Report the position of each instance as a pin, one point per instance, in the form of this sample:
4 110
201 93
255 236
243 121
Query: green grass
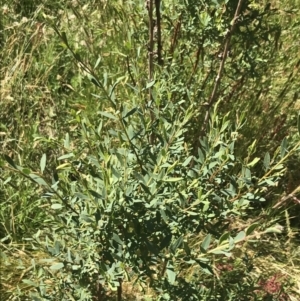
44 92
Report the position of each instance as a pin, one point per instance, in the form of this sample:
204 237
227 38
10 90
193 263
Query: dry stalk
213 96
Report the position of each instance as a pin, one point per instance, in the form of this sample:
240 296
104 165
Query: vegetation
150 150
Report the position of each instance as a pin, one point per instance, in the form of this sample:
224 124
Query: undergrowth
149 154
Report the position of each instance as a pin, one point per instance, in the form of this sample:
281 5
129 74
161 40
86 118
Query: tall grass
45 90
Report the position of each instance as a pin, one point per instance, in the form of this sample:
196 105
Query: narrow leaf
205 244
57 266
29 282
145 188
267 160
115 172
95 194
251 228
67 141
206 268
64 38
43 163
131 112
171 276
117 239
172 179
255 160
240 237
108 115
38 179
187 161
56 206
81 196
65 156
10 161
149 85
283 147
176 244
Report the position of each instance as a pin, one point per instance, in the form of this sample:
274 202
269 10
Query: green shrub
125 208
159 161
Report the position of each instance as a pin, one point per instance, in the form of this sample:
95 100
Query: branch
158 26
212 98
149 6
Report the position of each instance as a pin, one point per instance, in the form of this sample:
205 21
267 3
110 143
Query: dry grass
31 68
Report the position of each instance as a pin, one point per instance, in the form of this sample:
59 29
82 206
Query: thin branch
175 36
151 43
292 196
213 96
149 6
129 71
158 27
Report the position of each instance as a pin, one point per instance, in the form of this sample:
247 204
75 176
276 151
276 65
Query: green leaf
97 62
64 38
275 229
187 161
87 218
191 212
283 147
145 188
115 172
176 244
38 179
270 182
65 156
205 243
224 237
231 243
206 267
95 194
81 196
139 177
117 239
43 163
251 228
240 237
186 248
149 85
254 161
108 115
131 112
7 180
171 276
10 161
172 179
29 282
26 171
67 141
267 160
94 81
56 206
57 266
221 252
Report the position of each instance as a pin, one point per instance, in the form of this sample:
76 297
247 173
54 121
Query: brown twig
149 6
213 96
292 196
158 27
120 290
175 36
129 71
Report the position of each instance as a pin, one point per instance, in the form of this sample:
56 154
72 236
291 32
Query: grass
44 91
